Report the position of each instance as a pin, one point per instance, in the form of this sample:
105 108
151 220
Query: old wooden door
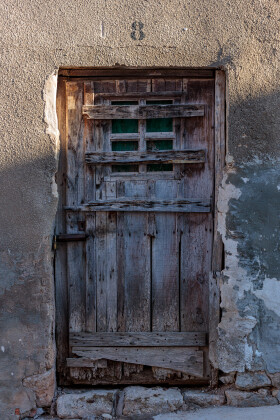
136 216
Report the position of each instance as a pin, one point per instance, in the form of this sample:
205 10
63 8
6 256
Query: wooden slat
109 112
134 72
75 195
197 229
60 266
160 135
136 269
170 156
165 94
180 205
90 126
217 254
79 362
183 359
124 136
138 339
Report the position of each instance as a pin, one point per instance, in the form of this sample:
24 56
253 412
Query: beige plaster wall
38 37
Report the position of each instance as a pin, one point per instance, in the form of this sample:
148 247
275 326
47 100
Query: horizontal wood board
110 112
134 339
136 205
172 156
183 359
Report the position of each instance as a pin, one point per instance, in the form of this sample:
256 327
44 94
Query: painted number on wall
137 34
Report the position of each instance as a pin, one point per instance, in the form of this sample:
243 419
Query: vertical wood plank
197 229
75 195
136 261
217 256
165 246
61 287
90 217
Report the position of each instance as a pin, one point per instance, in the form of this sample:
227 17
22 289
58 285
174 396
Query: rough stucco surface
39 37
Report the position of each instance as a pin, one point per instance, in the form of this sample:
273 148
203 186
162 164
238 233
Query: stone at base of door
138 402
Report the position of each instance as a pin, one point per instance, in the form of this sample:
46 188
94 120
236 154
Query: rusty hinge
69 237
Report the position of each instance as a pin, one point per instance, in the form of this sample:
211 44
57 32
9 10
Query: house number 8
137 34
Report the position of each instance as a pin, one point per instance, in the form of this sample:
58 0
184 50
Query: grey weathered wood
197 229
176 205
84 362
138 339
124 136
75 196
165 265
136 269
109 112
150 95
60 264
217 255
139 287
171 156
161 135
90 127
134 72
184 359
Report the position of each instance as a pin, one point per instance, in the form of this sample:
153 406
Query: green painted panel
159 145
125 168
159 167
120 146
160 124
124 126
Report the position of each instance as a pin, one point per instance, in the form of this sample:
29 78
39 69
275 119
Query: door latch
68 237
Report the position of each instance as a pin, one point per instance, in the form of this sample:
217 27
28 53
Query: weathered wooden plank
160 135
130 205
138 339
170 156
184 359
165 265
60 263
75 195
124 136
197 229
127 72
90 275
217 254
121 176
136 262
109 112
84 362
150 95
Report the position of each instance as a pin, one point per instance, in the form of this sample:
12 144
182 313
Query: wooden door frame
61 290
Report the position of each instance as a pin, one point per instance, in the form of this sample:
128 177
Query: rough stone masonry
39 37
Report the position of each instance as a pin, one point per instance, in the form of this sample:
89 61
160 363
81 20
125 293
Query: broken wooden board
169 206
138 339
189 361
110 112
171 156
85 362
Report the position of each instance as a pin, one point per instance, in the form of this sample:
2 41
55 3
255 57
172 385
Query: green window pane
120 146
124 126
159 167
159 145
125 168
159 124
